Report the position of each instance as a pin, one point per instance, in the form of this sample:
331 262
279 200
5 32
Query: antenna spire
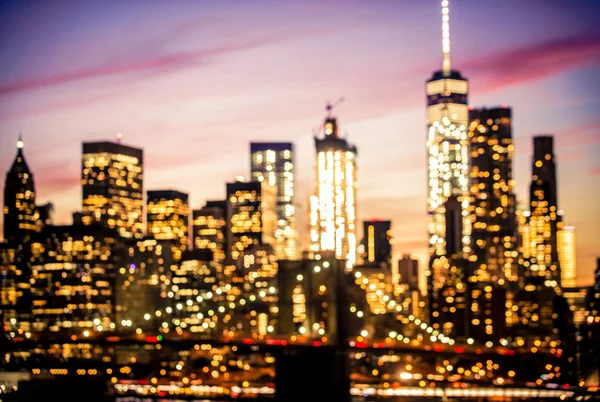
20 141
446 37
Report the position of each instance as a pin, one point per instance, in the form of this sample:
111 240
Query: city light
280 285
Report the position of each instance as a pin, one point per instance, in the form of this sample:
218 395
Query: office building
273 162
15 301
494 240
168 214
208 229
315 299
545 220
377 242
447 144
408 269
112 181
191 297
251 216
333 205
73 272
21 216
567 255
142 283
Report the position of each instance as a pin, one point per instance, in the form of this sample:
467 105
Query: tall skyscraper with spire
21 216
333 205
448 152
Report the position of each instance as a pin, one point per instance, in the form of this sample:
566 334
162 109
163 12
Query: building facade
567 255
168 214
333 218
494 238
408 269
544 219
112 181
273 162
73 272
251 216
208 229
377 242
21 216
448 159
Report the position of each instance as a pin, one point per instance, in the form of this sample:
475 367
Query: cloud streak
152 63
531 63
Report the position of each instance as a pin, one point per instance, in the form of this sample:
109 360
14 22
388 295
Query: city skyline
395 111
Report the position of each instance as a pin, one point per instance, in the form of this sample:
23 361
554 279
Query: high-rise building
494 241
273 162
73 272
447 145
168 214
377 242
333 205
193 282
316 299
21 217
408 268
208 229
567 255
544 217
112 180
251 216
142 283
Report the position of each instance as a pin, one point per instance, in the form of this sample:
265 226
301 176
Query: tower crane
329 106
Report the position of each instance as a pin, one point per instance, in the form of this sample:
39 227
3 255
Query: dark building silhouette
408 268
377 242
454 227
21 216
316 298
141 289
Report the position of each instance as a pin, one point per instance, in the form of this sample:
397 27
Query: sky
192 83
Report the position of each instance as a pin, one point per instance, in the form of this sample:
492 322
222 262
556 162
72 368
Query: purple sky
193 82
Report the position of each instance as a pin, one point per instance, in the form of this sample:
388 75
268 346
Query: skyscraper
447 144
408 268
377 237
544 217
333 206
251 216
567 255
73 272
168 214
208 229
21 217
112 180
273 162
494 239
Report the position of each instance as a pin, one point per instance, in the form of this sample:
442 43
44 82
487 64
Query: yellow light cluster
333 208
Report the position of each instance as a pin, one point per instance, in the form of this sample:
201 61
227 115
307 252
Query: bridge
295 368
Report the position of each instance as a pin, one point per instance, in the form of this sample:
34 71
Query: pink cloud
531 63
595 171
154 63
